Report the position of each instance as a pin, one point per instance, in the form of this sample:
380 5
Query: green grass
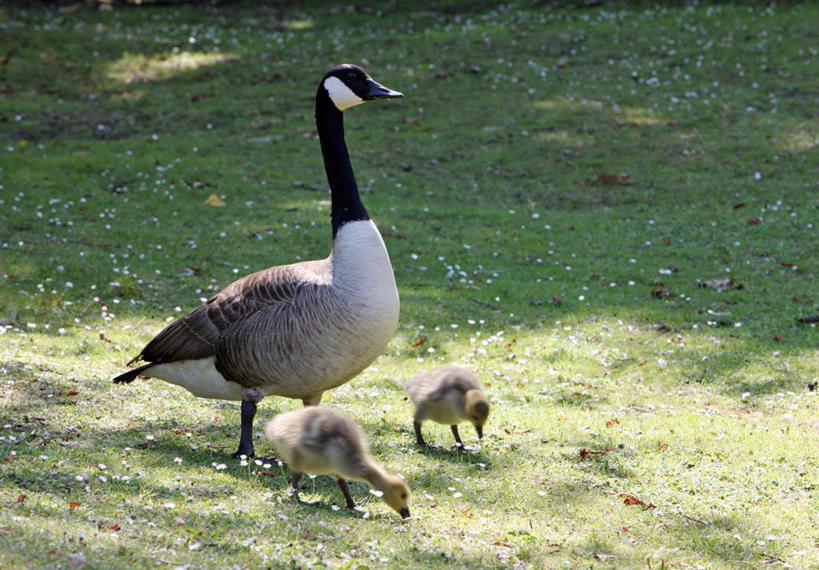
554 190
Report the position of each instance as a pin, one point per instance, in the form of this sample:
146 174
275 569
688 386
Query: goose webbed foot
268 462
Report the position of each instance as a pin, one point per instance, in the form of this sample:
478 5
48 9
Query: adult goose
292 330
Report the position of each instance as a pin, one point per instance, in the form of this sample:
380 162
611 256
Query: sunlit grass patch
800 138
136 68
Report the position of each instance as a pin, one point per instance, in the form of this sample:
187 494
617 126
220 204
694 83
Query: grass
561 190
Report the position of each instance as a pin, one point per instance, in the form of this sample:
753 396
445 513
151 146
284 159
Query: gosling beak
378 91
479 429
405 514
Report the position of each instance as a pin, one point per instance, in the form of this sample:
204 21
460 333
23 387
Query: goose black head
348 85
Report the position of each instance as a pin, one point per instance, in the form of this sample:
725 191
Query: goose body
447 395
321 441
292 330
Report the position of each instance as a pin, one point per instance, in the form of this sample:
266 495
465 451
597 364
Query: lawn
607 209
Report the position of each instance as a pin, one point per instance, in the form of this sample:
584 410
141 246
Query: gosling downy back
322 441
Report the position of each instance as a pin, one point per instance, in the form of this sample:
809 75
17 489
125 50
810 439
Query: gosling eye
403 495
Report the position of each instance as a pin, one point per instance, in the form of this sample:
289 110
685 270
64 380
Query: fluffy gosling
448 395
322 441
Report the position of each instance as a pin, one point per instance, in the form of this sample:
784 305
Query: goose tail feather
131 375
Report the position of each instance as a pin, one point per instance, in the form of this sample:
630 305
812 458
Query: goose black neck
346 204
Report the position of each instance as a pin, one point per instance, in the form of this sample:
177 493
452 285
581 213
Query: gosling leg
246 435
457 435
418 437
342 484
295 485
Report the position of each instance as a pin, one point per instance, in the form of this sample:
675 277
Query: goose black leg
457 435
342 484
246 437
418 437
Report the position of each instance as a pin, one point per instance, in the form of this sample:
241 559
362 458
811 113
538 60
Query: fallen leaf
418 342
607 179
115 527
214 200
663 446
777 337
754 220
584 452
611 422
73 504
661 292
20 499
631 500
739 205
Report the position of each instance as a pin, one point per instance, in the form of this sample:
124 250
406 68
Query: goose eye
351 76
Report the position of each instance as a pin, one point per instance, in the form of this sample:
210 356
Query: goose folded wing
199 333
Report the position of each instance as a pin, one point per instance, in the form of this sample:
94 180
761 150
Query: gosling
448 395
322 441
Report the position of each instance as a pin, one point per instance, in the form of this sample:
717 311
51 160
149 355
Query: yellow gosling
448 395
322 441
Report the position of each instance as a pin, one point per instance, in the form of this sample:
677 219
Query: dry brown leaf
214 200
418 342
631 500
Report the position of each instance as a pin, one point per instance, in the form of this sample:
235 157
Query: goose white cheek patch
341 95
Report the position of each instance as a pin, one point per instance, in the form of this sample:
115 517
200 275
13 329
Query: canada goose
448 395
322 441
292 330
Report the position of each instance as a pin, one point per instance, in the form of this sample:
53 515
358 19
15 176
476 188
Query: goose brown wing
197 334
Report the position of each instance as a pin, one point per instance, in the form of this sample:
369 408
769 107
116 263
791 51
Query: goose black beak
405 514
378 91
479 429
